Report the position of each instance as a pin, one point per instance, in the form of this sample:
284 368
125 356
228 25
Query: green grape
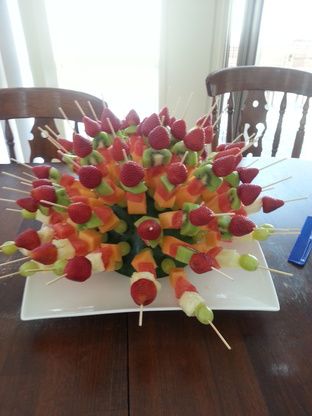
59 266
121 227
260 234
199 237
167 265
124 248
28 268
118 265
28 215
8 248
248 262
204 314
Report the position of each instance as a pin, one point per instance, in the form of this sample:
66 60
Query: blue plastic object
303 246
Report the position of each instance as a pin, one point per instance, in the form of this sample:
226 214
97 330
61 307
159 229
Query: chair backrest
247 87
43 104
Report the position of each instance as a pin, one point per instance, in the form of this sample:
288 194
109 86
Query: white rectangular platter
109 292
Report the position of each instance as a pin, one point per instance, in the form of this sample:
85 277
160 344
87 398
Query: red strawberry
234 151
28 203
178 129
149 230
220 147
28 239
116 149
66 144
132 118
44 192
208 132
194 140
248 193
92 127
164 116
239 145
39 182
270 204
224 165
201 262
42 171
143 291
159 138
246 175
177 173
78 268
241 225
200 121
82 147
107 113
79 212
201 216
90 176
149 124
171 121
131 174
45 254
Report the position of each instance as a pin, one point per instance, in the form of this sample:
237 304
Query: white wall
194 34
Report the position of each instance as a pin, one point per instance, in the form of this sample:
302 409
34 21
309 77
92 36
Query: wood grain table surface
173 365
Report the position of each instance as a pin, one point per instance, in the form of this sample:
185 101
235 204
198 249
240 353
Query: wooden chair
42 104
246 86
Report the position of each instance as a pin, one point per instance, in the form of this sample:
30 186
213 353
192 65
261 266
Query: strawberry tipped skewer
21 163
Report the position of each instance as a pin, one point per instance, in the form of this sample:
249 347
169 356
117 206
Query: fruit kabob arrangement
145 198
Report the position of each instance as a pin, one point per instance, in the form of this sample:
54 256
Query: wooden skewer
275 270
184 157
252 163
78 166
274 183
286 229
55 280
14 261
187 105
20 163
39 270
223 274
125 155
238 137
14 189
14 209
8 275
29 175
220 336
162 120
15 176
26 183
53 141
66 118
177 104
296 199
208 114
53 204
141 315
251 143
111 126
286 233
7 200
80 108
267 189
223 213
273 163
51 131
92 111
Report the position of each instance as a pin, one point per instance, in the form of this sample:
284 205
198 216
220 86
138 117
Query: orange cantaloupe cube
91 237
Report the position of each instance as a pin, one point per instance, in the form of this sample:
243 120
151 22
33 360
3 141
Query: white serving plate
109 292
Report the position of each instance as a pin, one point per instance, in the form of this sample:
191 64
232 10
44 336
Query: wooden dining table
172 365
